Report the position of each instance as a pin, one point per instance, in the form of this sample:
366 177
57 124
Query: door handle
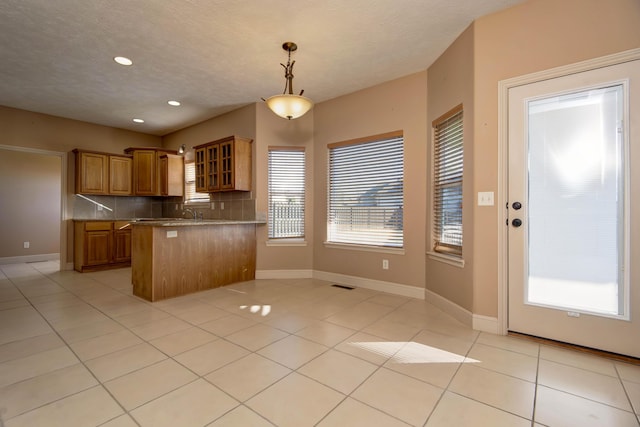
517 222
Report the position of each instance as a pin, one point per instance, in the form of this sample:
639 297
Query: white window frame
296 193
190 186
384 215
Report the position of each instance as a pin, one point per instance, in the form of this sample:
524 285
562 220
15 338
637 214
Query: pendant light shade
288 105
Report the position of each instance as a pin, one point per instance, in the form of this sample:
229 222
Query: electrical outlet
221 206
213 205
26 245
385 264
99 207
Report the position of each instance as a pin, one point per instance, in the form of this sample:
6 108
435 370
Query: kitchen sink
162 219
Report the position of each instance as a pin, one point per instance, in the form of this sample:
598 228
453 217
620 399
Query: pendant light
288 105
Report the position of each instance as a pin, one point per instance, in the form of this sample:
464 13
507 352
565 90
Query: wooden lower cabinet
98 247
173 261
121 242
101 244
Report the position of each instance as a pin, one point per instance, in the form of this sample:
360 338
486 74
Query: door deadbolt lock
516 222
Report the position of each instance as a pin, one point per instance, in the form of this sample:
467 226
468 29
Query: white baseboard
376 285
284 274
485 324
461 314
29 258
477 321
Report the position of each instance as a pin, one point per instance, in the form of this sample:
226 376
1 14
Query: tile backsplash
238 205
116 207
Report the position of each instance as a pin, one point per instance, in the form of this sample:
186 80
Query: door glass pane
576 202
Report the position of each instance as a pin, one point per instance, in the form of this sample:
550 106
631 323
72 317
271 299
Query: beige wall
534 36
275 131
30 190
40 131
34 130
240 122
257 122
396 105
450 83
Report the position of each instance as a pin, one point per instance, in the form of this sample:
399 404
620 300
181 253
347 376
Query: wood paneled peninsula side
179 257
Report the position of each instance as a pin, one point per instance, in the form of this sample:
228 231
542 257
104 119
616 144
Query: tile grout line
80 361
535 390
101 309
624 388
128 412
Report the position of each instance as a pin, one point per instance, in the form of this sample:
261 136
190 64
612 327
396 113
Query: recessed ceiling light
138 120
174 103
122 60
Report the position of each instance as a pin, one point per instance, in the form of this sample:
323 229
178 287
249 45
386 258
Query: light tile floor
80 350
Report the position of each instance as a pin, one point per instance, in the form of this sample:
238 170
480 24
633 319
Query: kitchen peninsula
176 257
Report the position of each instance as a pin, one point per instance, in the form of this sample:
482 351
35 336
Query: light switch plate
172 233
485 198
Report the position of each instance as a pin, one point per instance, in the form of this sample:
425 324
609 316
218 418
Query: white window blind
366 191
190 194
447 183
286 192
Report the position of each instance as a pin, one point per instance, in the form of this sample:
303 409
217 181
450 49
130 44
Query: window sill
364 248
198 203
286 242
447 259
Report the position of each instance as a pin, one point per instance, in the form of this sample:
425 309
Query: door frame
503 159
64 262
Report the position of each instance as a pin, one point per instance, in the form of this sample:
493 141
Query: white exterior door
573 209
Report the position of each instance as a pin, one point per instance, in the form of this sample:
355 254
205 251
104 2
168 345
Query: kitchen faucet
193 213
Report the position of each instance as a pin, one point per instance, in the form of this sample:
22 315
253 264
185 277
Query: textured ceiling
56 56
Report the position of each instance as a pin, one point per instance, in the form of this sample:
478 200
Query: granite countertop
175 222
178 222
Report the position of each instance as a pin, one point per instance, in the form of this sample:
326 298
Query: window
190 194
286 192
447 183
366 191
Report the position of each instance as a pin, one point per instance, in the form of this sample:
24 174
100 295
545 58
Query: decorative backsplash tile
231 205
115 207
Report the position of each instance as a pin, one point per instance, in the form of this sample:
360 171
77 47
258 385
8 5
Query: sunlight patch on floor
412 352
264 310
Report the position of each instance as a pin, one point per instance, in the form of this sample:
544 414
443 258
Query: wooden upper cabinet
171 170
92 172
103 173
147 170
200 160
139 172
120 175
223 165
